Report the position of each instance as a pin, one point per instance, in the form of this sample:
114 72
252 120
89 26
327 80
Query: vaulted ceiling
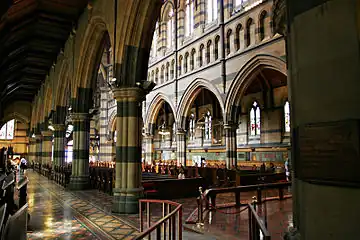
32 33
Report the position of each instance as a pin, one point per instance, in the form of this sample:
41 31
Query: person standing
23 163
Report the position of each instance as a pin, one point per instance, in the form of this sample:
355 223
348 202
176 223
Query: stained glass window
3 132
287 116
174 132
192 126
255 122
115 136
208 126
7 131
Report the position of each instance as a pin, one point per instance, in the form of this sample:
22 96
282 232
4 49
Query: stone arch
189 97
155 106
17 116
165 9
262 24
112 122
62 83
91 52
243 79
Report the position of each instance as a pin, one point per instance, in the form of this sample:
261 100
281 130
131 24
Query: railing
207 201
210 195
256 226
168 227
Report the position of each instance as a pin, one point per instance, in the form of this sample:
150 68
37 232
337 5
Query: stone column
46 146
181 147
149 148
325 115
81 138
128 188
231 146
38 153
59 145
32 149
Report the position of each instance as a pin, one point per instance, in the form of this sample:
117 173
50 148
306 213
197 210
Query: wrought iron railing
168 227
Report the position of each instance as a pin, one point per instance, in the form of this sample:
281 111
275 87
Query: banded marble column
46 146
181 147
128 188
231 146
81 138
59 145
38 153
149 139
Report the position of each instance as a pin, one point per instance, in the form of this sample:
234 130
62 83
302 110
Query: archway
257 108
160 132
202 121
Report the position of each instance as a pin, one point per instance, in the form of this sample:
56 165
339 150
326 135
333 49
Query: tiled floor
59 214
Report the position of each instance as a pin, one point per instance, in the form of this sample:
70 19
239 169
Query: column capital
148 136
59 127
180 131
46 133
230 126
133 94
79 116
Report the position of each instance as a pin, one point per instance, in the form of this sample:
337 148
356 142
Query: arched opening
201 54
228 42
189 17
250 32
238 36
204 128
208 52
263 118
163 128
216 47
262 25
192 59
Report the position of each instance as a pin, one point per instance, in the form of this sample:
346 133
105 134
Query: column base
126 201
79 183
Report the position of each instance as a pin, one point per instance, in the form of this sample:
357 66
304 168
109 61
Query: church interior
179 119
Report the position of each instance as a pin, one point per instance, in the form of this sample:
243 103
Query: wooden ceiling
32 33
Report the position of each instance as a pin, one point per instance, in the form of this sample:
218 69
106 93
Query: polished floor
59 214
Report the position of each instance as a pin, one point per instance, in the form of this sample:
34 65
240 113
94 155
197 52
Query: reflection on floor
232 223
59 214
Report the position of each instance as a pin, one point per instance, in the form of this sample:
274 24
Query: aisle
58 214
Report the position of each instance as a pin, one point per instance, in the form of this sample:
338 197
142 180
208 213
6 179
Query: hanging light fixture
163 129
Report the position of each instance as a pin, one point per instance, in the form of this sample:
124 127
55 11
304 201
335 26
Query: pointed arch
243 79
112 122
91 51
155 106
189 97
62 82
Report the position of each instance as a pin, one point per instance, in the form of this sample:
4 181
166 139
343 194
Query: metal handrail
169 220
256 225
209 194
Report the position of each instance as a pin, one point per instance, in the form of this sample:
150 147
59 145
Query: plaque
328 153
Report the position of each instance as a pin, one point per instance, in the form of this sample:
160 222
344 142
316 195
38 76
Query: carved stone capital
129 94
